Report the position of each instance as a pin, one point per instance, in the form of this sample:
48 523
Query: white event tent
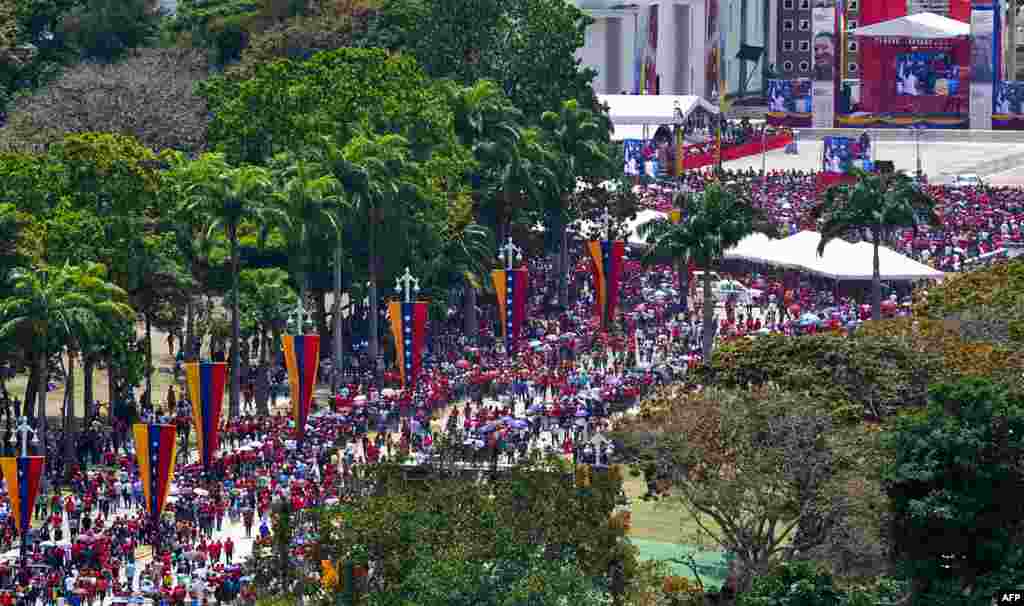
922 26
840 260
631 115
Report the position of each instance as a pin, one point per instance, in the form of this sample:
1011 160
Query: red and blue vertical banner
302 359
206 390
22 475
156 448
607 256
409 328
511 288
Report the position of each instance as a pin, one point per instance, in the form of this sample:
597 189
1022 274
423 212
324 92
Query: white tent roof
651 109
925 26
839 261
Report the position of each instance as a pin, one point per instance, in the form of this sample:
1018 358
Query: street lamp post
406 284
719 119
917 142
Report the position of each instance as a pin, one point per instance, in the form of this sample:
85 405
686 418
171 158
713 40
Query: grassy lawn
661 531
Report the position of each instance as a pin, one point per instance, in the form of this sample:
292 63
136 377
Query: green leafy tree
289 105
578 138
106 29
713 222
227 196
51 308
753 470
879 202
302 205
665 239
956 531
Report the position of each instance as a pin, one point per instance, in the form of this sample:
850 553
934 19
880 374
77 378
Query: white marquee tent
840 260
922 26
638 110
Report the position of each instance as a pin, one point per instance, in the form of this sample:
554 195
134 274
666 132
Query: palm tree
488 124
227 196
302 205
577 138
62 306
353 181
468 250
667 239
713 222
380 178
879 202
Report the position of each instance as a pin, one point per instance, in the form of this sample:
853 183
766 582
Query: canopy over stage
653 110
840 260
922 26
637 120
914 71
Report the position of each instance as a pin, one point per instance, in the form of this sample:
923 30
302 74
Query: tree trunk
234 405
876 279
149 358
25 410
563 270
338 337
472 323
684 286
190 355
88 367
69 411
41 412
708 323
320 301
112 394
373 343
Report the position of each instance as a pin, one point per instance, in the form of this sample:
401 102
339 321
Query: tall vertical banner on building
511 288
640 53
156 448
302 359
651 52
824 43
985 51
607 257
21 476
206 390
409 329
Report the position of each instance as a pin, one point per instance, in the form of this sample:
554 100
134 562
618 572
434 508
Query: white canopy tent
840 260
922 26
638 110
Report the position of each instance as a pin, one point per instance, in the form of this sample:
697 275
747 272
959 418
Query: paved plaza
939 159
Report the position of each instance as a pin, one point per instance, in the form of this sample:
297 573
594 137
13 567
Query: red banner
699 156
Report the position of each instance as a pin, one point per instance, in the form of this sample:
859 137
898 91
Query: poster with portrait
789 103
633 157
1009 106
840 154
983 65
926 73
823 29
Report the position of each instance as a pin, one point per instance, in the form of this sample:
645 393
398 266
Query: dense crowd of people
557 392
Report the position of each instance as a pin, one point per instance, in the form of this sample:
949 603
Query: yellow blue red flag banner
22 475
409 329
156 448
206 390
302 358
511 288
607 257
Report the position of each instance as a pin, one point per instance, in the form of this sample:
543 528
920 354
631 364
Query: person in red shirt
215 551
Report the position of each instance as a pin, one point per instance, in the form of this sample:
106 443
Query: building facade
664 45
